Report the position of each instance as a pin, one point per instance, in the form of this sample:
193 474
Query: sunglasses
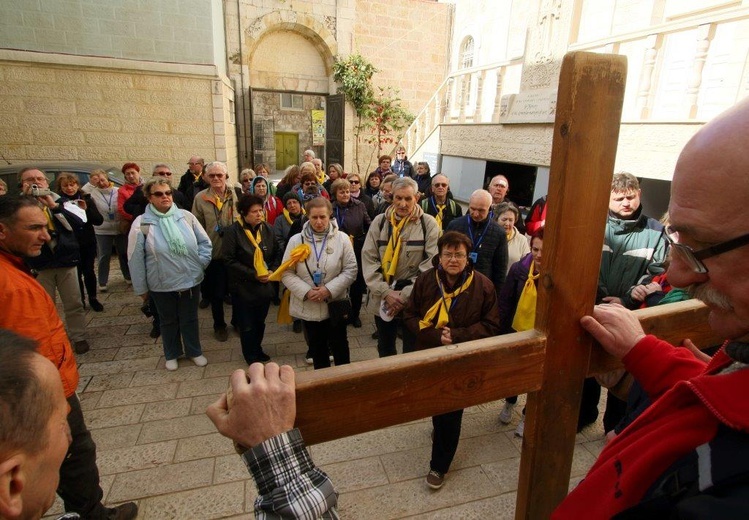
440 185
354 182
160 194
164 174
216 175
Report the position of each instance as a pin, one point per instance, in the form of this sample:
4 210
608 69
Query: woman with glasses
169 252
450 303
245 179
357 192
402 167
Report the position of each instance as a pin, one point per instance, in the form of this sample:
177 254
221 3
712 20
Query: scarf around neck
441 308
168 226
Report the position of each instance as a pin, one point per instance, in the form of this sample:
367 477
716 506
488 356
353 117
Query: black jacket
491 248
136 204
63 249
238 255
86 235
189 189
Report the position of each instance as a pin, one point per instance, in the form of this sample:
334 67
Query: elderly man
308 155
399 245
27 309
489 254
192 181
215 209
57 262
319 171
499 187
439 205
686 455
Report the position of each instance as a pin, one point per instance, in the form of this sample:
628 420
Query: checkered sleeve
288 483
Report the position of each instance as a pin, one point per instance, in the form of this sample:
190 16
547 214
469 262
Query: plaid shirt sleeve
288 483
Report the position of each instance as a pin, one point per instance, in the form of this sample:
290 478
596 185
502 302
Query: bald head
498 188
479 204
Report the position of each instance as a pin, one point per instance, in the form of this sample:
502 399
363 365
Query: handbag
339 311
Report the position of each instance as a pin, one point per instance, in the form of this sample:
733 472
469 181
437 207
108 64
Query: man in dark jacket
489 253
402 167
439 204
192 182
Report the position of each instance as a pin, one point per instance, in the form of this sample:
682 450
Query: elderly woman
513 290
169 251
131 171
292 213
353 220
322 277
250 254
290 178
245 179
309 187
106 197
263 170
335 172
69 189
357 192
450 303
423 178
517 243
372 186
272 205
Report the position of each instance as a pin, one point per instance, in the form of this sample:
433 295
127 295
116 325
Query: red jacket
27 309
689 402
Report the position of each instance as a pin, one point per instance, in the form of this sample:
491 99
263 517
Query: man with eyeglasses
136 204
499 187
686 455
402 167
439 205
192 181
489 252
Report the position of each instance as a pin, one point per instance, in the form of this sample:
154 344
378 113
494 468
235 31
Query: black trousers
387 334
322 338
79 477
356 293
250 319
589 403
215 283
86 271
446 437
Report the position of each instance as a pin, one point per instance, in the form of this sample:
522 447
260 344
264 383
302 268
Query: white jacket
106 203
337 262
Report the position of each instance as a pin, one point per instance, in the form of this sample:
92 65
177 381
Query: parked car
9 173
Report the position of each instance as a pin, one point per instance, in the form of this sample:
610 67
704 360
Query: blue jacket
153 267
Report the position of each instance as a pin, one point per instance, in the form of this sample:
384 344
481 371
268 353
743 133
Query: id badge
473 256
317 277
217 229
111 215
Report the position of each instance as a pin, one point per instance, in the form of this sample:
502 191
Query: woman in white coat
323 277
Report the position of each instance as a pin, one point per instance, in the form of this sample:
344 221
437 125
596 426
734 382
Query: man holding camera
56 264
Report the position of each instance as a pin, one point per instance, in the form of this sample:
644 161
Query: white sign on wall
532 106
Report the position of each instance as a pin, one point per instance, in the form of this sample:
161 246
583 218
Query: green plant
386 118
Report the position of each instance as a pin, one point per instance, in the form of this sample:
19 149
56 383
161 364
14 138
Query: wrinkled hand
641 292
612 299
446 337
317 294
394 302
687 344
260 404
614 327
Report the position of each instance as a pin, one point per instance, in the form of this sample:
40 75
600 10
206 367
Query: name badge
473 256
317 278
111 215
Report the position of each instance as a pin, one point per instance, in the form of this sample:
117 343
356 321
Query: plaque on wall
532 106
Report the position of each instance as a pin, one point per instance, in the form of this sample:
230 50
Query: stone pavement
156 446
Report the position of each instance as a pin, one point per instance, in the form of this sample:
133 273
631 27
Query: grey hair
247 172
310 152
218 164
482 193
504 207
160 165
155 181
405 182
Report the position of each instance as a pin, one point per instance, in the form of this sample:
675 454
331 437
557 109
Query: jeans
65 281
387 334
215 283
322 338
79 477
178 314
250 319
104 246
446 437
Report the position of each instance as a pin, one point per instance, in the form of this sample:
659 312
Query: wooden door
334 128
287 149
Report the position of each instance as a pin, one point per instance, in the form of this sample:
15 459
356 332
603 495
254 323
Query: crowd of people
317 245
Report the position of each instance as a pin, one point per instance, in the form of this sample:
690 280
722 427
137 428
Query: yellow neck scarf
393 250
441 309
321 177
219 202
50 222
288 216
438 217
525 314
258 261
510 235
298 254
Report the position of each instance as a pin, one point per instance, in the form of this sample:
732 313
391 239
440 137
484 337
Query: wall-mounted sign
532 106
318 127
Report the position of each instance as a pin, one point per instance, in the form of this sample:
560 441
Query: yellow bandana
441 308
438 217
321 177
393 250
525 315
50 222
510 235
298 254
287 215
284 317
258 261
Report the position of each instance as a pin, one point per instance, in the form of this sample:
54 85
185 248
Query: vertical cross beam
586 131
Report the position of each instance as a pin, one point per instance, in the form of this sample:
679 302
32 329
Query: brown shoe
126 511
81 347
435 479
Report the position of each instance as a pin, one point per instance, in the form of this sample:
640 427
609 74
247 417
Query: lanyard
322 247
454 298
339 216
434 205
109 203
476 244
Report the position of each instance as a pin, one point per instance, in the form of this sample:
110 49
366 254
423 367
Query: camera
146 310
36 191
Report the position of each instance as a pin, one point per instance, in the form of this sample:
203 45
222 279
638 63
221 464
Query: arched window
466 53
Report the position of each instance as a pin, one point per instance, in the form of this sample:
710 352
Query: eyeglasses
216 175
354 182
454 256
439 185
694 258
160 194
163 174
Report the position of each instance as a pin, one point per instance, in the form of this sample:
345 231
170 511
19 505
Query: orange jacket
27 309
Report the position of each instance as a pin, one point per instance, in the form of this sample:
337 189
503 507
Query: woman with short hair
517 243
290 178
272 205
169 253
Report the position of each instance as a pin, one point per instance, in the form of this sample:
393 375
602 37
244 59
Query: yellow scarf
438 217
298 254
441 308
50 222
393 250
258 261
525 315
510 235
287 215
321 177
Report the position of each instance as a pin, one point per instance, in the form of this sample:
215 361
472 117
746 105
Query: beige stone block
197 141
152 350
357 474
89 400
214 386
140 126
116 437
15 136
223 369
116 367
413 496
98 124
103 108
210 445
110 381
230 468
59 153
170 409
144 394
177 428
132 458
504 474
157 481
47 107
114 416
200 403
214 502
500 507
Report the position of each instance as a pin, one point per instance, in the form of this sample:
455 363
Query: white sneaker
308 358
505 416
521 428
200 361
103 288
128 282
171 364
331 358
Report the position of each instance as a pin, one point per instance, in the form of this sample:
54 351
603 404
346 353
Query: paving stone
116 437
83 383
151 350
203 446
230 468
166 479
116 367
89 400
215 386
169 409
182 427
504 474
200 403
357 474
109 382
96 354
582 460
114 416
135 457
157 377
140 329
206 503
224 369
500 507
142 394
105 481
